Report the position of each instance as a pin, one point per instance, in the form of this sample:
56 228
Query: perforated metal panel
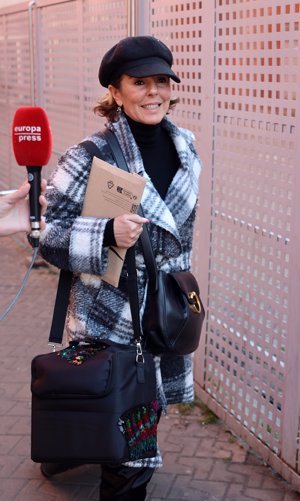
75 35
250 326
104 23
60 69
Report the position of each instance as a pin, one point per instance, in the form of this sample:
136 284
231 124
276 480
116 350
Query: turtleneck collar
144 134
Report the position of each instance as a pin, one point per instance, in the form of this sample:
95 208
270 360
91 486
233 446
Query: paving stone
221 472
172 465
240 493
194 490
203 467
9 466
10 488
161 484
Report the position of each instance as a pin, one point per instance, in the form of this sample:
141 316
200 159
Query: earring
119 109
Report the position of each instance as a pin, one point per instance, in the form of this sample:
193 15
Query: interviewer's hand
14 210
127 229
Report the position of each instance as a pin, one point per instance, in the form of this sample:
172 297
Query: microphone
32 144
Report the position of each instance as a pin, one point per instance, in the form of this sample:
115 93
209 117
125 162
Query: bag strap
60 308
145 239
65 276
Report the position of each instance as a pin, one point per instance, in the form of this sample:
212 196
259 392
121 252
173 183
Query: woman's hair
107 106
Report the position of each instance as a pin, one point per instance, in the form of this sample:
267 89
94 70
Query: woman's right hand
14 210
127 229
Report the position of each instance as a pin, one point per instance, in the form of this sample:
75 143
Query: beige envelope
112 192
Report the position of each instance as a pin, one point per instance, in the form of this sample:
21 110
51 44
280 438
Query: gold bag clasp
195 303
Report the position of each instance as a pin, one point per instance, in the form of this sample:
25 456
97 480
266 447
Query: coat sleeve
71 241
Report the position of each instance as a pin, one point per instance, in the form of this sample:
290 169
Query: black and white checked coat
73 242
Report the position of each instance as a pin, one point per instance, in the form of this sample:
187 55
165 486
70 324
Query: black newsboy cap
138 56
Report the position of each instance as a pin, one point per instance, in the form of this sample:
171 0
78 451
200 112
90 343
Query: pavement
203 460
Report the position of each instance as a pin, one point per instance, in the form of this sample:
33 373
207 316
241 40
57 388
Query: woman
137 73
14 210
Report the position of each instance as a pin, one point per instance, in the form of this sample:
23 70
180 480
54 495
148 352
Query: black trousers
118 483
122 483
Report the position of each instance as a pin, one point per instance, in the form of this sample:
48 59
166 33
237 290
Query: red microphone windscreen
31 136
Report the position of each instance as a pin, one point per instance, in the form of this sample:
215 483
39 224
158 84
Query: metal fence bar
31 5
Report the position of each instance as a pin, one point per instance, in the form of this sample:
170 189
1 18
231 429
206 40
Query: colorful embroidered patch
78 354
139 426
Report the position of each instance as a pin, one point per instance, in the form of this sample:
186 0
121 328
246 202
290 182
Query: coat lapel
183 192
171 213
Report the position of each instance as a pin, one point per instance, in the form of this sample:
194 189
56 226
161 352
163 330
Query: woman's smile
151 106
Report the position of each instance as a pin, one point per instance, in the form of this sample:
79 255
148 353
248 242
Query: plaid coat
73 242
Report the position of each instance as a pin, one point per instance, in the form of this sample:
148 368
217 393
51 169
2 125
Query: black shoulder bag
174 312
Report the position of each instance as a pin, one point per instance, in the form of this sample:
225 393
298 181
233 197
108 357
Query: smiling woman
137 73
145 100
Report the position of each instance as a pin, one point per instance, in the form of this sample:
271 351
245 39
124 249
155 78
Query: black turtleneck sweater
158 152
160 161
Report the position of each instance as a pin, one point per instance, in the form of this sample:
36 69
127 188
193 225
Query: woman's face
144 99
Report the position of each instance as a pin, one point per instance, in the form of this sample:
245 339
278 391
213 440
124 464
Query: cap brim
147 69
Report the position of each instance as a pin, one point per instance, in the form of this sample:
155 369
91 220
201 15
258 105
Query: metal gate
239 65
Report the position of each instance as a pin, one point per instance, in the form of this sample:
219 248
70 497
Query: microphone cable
34 255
